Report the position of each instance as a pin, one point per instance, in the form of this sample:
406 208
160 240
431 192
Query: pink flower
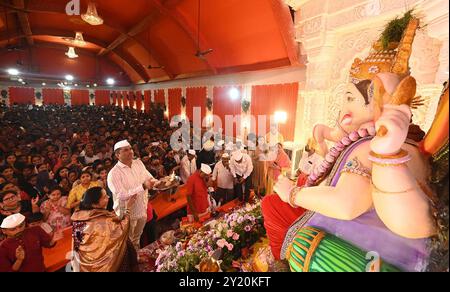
229 233
247 228
221 243
230 246
236 236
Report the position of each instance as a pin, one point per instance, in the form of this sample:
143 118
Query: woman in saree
369 201
280 165
100 238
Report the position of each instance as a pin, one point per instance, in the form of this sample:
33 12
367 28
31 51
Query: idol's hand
283 188
392 129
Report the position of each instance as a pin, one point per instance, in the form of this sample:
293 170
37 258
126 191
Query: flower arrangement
232 235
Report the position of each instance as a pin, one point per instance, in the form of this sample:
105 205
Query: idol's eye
350 98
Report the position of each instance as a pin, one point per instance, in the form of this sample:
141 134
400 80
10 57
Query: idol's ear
377 93
405 92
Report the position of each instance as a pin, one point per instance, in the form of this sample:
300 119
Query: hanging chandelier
71 53
91 15
79 40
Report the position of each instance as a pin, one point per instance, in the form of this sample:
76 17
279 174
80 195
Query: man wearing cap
224 179
21 251
241 167
207 155
188 166
197 192
129 178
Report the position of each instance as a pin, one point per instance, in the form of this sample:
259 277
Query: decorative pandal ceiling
144 41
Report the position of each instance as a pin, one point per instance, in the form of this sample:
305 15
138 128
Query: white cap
209 145
13 221
221 143
121 144
226 155
155 144
192 152
206 169
237 155
229 146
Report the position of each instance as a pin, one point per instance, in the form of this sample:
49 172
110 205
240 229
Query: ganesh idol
369 205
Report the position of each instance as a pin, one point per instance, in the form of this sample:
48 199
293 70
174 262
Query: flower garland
230 234
325 167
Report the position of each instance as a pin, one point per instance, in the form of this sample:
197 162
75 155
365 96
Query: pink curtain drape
21 95
174 102
53 96
79 97
147 100
138 95
195 97
267 99
224 105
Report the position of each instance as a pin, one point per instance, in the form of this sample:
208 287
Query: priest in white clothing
188 166
129 179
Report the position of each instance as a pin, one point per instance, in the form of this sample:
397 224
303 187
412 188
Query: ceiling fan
150 67
200 54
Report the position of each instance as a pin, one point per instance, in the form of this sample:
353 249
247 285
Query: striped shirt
124 182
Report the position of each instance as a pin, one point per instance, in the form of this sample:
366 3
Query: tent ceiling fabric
245 35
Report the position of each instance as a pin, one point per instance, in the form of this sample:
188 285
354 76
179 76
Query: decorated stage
231 241
240 227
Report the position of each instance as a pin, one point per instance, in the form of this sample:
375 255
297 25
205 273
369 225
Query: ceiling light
280 117
43 83
79 40
91 15
13 72
234 93
20 80
75 84
23 82
110 81
71 53
88 86
95 84
69 77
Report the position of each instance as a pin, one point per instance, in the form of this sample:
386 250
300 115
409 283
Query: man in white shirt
224 179
188 166
241 167
127 179
89 155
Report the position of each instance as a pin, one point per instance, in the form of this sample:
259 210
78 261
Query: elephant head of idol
382 78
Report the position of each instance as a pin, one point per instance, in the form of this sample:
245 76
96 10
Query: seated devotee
197 192
8 173
76 194
156 168
21 251
54 210
274 136
207 155
10 204
281 164
170 163
188 166
100 238
224 180
241 167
